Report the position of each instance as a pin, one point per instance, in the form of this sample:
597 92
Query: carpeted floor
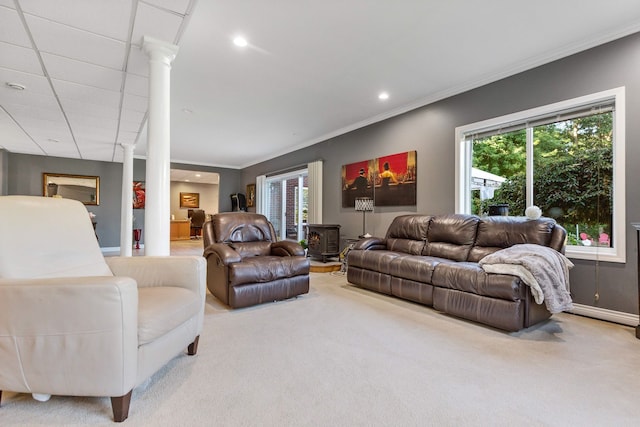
342 356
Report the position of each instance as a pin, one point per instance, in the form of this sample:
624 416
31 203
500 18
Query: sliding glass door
287 203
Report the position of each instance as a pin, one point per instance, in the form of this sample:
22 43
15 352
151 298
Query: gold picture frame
84 188
251 195
189 200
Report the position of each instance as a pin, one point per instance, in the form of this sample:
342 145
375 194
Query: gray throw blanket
545 270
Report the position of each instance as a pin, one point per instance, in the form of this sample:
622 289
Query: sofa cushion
415 267
266 269
470 277
408 233
163 308
499 232
378 260
451 236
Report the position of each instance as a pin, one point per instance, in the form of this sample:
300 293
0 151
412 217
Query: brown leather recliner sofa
246 265
433 260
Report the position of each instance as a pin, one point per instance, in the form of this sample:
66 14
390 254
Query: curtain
315 192
260 194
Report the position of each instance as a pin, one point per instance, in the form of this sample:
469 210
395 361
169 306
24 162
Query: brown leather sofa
433 260
246 265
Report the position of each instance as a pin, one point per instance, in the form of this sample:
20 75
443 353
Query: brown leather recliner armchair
247 266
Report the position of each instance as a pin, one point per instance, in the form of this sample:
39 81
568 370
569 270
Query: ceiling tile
78 120
74 43
58 133
8 3
11 28
155 23
89 109
138 61
136 85
67 150
92 150
25 97
179 6
34 84
41 127
135 102
93 133
88 94
105 17
132 116
39 113
55 146
130 126
14 138
127 137
19 58
82 73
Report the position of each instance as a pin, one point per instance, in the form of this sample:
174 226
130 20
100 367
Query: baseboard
109 250
604 314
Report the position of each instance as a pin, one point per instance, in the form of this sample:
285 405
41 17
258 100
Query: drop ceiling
311 70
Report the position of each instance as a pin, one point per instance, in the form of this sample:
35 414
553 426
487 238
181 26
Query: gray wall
24 176
4 171
430 131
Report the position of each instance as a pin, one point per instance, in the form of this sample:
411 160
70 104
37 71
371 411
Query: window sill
596 254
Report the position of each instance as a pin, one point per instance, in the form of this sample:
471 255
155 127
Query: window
567 158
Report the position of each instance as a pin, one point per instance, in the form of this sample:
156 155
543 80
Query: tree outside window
572 171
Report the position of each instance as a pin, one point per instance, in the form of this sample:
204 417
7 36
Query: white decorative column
126 216
157 185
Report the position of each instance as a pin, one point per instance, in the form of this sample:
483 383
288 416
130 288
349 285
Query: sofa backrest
451 236
499 232
408 234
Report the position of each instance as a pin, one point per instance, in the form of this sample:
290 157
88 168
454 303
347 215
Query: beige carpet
342 356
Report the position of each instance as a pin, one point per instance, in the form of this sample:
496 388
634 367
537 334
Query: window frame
463 162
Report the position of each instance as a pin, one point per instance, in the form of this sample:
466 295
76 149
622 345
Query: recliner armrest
286 248
225 254
371 243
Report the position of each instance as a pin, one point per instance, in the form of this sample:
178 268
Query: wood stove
323 240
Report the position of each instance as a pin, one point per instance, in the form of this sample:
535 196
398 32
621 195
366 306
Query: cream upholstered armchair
73 322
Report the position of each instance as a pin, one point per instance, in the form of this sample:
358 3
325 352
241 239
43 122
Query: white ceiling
312 70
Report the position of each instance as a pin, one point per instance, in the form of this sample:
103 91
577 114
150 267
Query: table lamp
364 204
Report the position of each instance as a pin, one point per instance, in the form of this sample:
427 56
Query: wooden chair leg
193 347
120 406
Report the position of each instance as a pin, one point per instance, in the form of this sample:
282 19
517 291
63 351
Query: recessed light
55 141
187 111
240 41
383 96
197 175
16 86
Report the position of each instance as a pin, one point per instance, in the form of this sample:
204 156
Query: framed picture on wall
189 200
251 195
139 195
85 189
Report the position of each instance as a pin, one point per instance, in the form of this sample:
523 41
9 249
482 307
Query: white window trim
463 168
